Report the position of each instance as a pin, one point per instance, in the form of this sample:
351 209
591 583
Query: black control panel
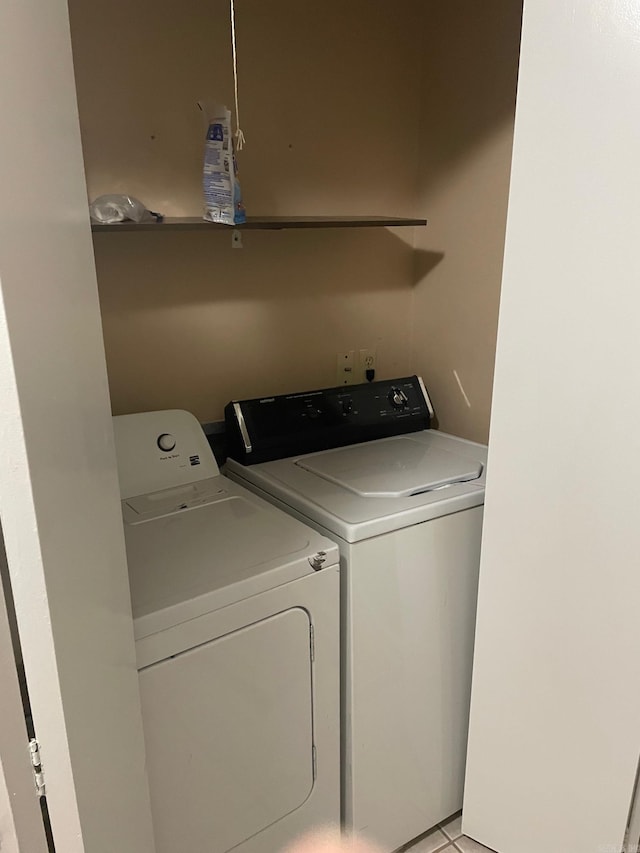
269 428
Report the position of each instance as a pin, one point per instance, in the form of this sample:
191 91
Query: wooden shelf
262 223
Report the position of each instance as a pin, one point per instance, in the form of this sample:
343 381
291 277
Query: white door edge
59 496
21 826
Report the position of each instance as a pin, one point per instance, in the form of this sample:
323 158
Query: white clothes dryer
236 620
404 502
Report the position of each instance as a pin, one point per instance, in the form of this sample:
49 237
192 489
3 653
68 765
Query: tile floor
446 838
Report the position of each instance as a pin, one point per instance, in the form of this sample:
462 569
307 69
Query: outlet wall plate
366 361
346 373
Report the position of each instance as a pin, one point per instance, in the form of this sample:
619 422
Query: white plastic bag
107 209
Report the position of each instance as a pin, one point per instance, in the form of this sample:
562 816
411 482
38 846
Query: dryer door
229 735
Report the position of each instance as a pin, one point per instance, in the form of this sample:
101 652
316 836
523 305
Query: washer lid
394 468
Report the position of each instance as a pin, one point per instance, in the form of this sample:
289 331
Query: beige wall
358 107
330 113
468 77
191 323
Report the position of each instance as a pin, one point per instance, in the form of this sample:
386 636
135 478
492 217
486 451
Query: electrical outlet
346 374
367 361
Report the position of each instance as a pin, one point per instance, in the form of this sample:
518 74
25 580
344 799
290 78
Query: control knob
398 398
311 410
166 442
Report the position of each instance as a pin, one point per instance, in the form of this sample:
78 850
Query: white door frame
59 496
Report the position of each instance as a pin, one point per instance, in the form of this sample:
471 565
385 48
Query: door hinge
36 763
312 641
314 761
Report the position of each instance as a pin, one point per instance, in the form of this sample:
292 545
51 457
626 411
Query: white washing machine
404 502
236 619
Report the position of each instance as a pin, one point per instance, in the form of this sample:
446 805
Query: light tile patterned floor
447 838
